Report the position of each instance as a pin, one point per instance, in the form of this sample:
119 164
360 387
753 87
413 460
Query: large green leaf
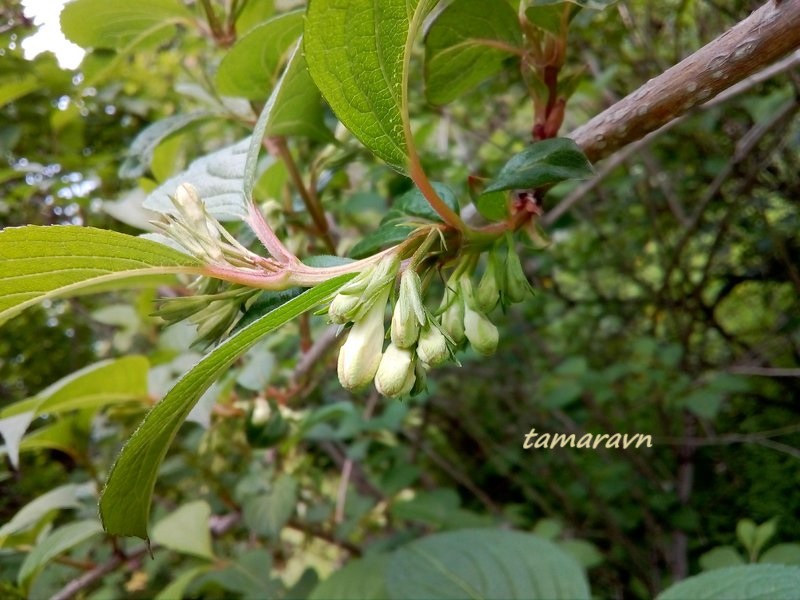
14 88
125 502
541 164
484 563
59 541
747 582
250 68
266 514
358 53
465 45
361 579
39 262
117 23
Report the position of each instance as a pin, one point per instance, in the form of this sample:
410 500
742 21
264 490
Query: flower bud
342 308
360 355
487 294
453 315
261 412
432 346
189 205
480 331
517 285
409 313
395 376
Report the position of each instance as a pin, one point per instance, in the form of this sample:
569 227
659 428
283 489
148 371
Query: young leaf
747 582
466 44
358 55
544 163
125 501
217 177
484 563
116 23
39 262
250 68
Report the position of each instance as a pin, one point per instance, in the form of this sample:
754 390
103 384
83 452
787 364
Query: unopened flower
395 376
517 286
487 294
452 309
342 307
357 296
360 355
480 331
409 314
432 347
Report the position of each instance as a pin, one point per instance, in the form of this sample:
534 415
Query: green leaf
549 15
39 262
358 54
748 582
58 542
116 23
386 235
296 105
484 563
746 533
65 496
218 178
360 579
125 502
249 575
720 557
493 206
541 164
17 87
186 530
140 152
410 207
704 402
459 50
250 68
414 204
267 514
584 552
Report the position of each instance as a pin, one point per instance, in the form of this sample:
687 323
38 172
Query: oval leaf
125 502
361 579
484 563
544 163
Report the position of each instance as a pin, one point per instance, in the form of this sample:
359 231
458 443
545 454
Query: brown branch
762 38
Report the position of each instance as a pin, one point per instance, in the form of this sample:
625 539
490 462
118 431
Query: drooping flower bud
480 331
409 314
432 348
360 355
395 376
517 286
453 315
487 294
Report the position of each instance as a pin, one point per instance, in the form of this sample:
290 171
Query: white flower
480 332
395 376
432 346
360 355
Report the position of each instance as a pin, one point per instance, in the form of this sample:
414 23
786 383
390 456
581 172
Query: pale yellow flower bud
409 314
360 355
342 308
432 346
453 315
480 331
395 376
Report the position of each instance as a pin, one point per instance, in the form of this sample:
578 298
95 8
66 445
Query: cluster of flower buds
419 339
